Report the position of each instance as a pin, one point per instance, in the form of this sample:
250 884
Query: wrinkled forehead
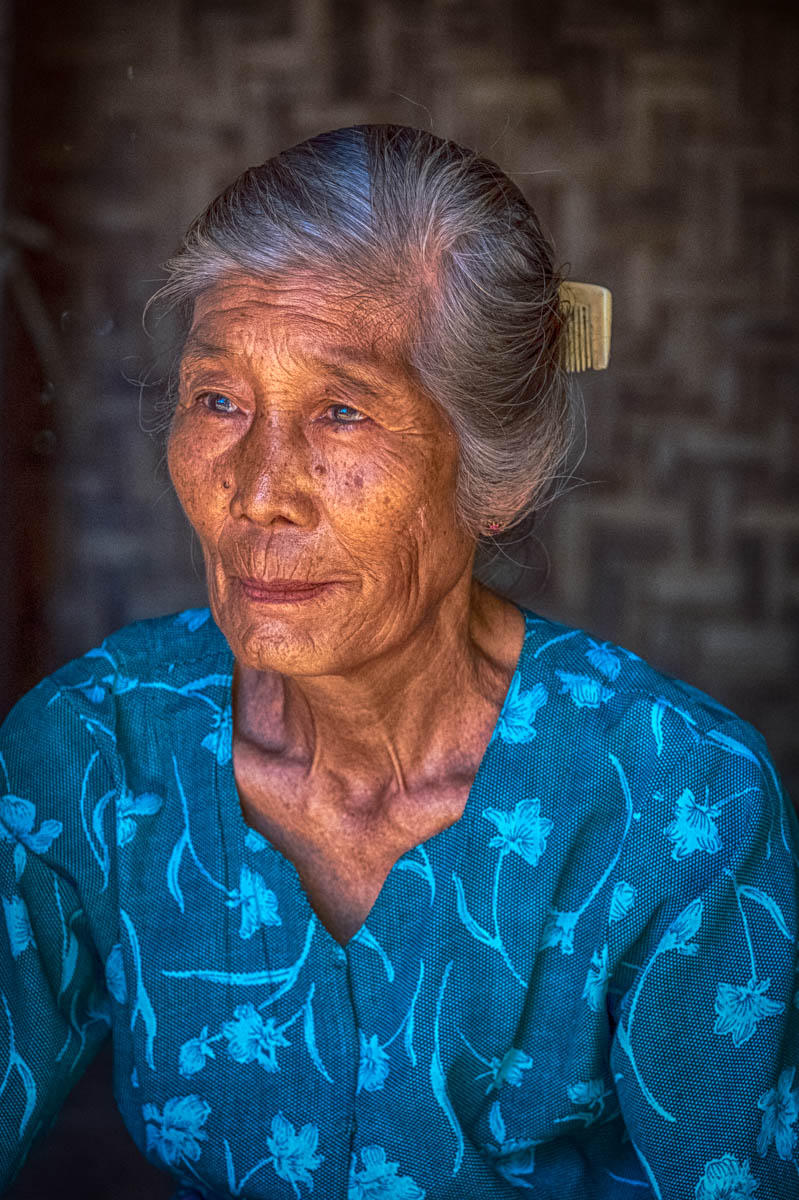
303 312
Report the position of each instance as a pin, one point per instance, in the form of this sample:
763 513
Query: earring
493 525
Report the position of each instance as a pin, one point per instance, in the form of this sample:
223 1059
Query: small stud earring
494 526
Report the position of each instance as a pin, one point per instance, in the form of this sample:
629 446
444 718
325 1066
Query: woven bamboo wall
658 144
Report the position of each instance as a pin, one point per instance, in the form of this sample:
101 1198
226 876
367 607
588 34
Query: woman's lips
279 593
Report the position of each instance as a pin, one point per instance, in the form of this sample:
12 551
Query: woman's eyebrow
353 381
334 359
197 348
331 362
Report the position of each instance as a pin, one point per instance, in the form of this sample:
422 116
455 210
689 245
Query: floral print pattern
258 903
726 1179
780 1107
373 1066
694 826
176 1134
525 831
294 1155
377 1179
559 993
253 1039
740 1008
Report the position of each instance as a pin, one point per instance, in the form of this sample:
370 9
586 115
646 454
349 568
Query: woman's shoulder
76 712
75 745
609 688
611 728
150 647
137 654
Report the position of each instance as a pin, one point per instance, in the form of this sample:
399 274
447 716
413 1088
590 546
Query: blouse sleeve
54 1011
706 1050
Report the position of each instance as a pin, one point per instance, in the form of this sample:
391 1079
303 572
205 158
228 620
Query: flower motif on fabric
377 1179
220 739
741 1008
258 902
559 931
560 925
621 901
603 659
682 929
17 819
175 1136
255 841
507 1069
20 933
193 618
589 1091
660 706
374 1064
120 684
592 1094
515 723
693 827
144 805
514 1158
677 937
726 1179
523 831
253 1039
584 691
93 691
195 1052
294 1153
780 1108
115 974
596 981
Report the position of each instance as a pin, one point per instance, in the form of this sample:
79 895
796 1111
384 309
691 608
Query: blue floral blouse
586 987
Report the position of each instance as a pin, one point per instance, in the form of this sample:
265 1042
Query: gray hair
399 213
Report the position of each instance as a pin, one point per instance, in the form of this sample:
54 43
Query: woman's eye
340 414
217 402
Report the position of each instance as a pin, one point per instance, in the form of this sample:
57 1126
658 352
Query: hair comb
588 315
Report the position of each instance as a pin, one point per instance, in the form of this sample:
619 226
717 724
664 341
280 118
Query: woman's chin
292 638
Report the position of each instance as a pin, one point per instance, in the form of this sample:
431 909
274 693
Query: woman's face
300 450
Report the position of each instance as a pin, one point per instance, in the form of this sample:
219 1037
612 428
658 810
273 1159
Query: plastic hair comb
588 325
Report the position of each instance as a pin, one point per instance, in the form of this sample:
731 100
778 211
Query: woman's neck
420 713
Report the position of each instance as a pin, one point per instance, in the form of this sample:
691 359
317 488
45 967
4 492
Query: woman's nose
270 474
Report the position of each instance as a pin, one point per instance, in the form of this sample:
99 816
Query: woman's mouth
281 591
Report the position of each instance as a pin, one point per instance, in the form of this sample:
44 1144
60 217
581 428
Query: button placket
349 1042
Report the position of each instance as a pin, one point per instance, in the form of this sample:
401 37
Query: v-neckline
228 802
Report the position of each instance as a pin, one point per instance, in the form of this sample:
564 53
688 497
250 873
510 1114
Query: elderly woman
383 886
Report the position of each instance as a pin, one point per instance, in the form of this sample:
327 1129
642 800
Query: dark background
658 144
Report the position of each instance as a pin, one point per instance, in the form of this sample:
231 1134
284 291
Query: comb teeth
579 355
588 326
